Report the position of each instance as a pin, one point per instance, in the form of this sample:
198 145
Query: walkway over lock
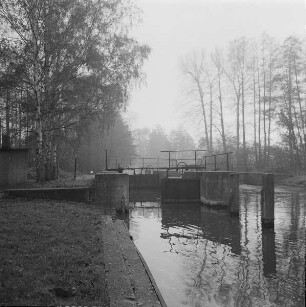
214 162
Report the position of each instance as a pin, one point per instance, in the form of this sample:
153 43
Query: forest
251 99
66 67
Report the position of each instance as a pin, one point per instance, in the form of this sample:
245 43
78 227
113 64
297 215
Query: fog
173 28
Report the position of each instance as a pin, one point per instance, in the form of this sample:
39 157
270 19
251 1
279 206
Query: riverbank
51 254
297 180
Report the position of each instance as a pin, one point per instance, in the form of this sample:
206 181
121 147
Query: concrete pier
234 194
267 200
112 191
220 189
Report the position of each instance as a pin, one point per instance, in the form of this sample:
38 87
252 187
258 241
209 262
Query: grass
66 181
51 254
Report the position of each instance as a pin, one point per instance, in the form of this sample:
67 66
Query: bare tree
217 60
193 67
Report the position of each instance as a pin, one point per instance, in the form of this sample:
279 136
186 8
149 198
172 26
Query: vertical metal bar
227 162
169 158
215 162
205 164
195 160
106 162
75 167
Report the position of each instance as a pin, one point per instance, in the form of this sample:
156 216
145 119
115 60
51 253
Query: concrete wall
144 181
13 166
220 189
112 190
192 175
180 190
68 194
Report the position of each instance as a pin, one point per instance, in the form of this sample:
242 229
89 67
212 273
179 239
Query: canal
203 257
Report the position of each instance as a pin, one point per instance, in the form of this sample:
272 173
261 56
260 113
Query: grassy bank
51 253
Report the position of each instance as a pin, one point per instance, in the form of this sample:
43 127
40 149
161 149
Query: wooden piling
267 200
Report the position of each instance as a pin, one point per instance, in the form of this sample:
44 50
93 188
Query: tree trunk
211 117
254 118
204 114
259 119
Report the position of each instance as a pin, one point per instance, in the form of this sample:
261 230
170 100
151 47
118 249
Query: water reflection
202 257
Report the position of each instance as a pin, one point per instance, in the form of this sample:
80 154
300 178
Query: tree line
261 84
65 66
150 143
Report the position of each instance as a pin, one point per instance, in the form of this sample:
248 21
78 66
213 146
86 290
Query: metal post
75 167
106 162
169 158
227 162
195 160
205 164
215 157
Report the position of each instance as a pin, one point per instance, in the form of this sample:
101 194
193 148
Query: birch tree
75 58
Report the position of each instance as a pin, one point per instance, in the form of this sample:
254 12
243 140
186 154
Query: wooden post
267 201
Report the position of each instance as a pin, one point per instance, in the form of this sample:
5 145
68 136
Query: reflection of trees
206 241
209 231
293 278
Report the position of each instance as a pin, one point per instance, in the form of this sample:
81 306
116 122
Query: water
202 257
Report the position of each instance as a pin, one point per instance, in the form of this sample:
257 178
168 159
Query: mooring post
267 201
234 194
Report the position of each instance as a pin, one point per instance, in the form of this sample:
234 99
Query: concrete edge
158 293
118 283
144 270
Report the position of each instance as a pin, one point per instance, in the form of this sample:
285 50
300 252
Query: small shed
13 166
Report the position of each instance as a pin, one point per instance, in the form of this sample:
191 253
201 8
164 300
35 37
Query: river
203 257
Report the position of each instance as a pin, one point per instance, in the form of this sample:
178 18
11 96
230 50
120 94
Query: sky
174 28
